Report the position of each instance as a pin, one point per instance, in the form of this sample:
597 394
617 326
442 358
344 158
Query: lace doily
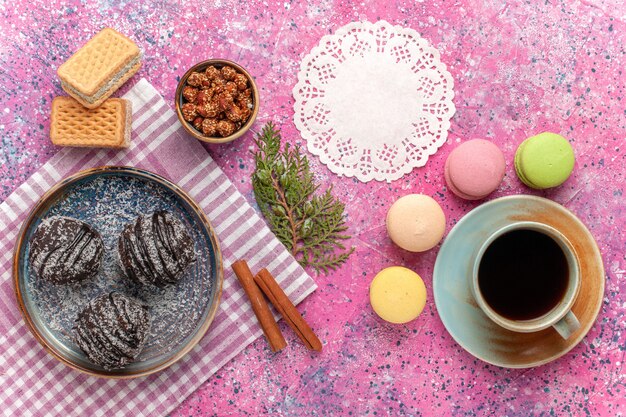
373 101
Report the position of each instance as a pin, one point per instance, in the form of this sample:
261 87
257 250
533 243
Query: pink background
519 69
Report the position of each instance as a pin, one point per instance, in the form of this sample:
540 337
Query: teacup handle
567 325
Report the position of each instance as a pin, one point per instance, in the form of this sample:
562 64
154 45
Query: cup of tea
526 278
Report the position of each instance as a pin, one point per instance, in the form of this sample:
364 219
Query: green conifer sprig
310 225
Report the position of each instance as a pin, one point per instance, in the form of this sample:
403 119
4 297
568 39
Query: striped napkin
33 383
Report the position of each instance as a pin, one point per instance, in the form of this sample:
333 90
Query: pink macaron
475 169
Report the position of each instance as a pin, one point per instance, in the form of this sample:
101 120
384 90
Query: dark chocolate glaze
65 250
112 330
156 249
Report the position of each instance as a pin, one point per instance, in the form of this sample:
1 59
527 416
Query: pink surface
519 69
475 169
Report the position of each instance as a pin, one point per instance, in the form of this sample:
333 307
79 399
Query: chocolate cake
112 330
65 250
155 249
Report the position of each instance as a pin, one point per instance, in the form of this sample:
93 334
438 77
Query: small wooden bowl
201 66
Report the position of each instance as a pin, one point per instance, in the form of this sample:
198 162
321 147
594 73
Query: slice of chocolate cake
65 250
112 330
155 249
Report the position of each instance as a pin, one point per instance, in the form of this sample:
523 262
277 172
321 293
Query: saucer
466 322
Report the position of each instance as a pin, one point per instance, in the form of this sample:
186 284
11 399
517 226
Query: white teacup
560 315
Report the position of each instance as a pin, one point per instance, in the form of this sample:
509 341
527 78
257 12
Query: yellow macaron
397 294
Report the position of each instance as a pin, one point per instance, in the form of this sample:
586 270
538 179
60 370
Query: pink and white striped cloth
33 383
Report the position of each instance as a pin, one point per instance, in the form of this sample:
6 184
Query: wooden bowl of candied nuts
217 101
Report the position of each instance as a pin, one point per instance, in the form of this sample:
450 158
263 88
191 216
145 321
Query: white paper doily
373 101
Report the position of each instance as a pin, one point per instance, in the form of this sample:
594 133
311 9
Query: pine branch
311 226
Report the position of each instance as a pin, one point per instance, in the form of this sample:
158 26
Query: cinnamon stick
259 306
285 307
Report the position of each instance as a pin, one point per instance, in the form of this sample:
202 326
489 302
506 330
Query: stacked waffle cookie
89 118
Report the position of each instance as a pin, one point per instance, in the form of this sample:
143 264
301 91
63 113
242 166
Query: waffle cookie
107 126
100 67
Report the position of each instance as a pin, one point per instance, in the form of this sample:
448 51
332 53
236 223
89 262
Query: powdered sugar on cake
112 329
155 249
65 250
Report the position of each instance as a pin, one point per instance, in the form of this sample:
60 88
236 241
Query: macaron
474 169
397 295
416 222
544 161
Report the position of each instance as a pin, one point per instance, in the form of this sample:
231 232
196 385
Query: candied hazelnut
245 114
212 73
224 100
218 82
209 127
204 97
209 109
231 88
241 81
197 122
234 113
244 102
189 111
189 93
197 79
228 73
226 128
213 91
246 93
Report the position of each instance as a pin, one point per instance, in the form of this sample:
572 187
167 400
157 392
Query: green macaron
544 161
